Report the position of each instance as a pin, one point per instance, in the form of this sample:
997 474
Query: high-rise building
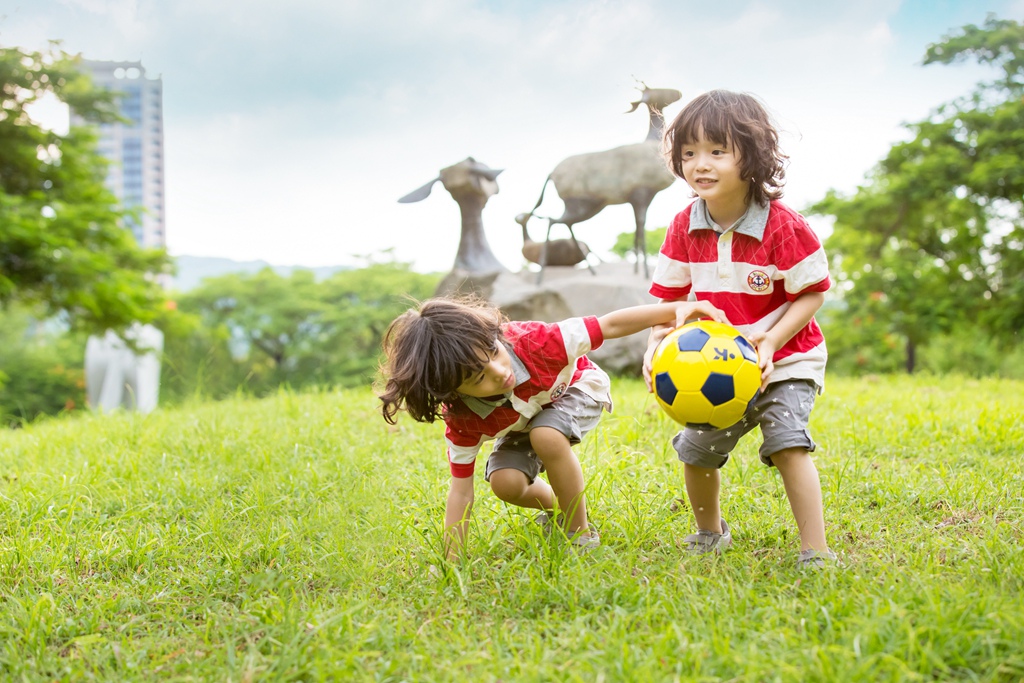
135 147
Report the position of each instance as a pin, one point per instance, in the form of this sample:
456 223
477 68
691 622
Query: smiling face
495 378
712 169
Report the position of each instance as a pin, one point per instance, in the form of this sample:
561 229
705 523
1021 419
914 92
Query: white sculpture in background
118 377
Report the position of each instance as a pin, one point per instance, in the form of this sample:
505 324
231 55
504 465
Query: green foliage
969 351
258 332
933 242
62 245
41 368
860 343
998 43
298 538
653 240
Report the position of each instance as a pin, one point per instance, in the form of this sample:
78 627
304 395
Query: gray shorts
782 411
574 414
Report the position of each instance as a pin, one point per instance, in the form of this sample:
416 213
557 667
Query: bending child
528 386
741 249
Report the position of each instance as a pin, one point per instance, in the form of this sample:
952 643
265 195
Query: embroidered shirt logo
557 391
758 280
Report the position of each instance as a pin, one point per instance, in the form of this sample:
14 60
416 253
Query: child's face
495 378
712 169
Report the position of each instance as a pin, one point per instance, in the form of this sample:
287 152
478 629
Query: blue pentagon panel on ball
746 348
692 340
718 388
706 373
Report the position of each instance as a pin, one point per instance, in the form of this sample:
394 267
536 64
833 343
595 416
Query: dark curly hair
430 350
739 120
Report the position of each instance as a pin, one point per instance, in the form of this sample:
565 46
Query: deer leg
544 253
577 244
640 203
641 248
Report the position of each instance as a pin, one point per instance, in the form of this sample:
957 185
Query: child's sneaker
817 559
584 541
705 541
546 521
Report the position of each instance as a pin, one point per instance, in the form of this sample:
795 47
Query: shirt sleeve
580 336
548 347
463 449
673 279
801 259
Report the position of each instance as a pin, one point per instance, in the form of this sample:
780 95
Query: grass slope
298 538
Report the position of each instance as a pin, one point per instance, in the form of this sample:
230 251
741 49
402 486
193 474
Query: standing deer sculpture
471 184
630 174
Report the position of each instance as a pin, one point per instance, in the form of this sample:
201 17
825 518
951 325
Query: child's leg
564 473
803 488
703 453
702 488
513 486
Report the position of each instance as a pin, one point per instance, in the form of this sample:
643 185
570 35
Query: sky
292 128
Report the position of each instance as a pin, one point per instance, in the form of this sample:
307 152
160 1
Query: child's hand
657 334
766 348
699 309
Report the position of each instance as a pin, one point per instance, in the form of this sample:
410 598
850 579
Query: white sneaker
705 541
584 541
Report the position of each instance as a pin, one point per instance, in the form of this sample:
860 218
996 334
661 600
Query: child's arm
627 321
793 320
456 515
662 318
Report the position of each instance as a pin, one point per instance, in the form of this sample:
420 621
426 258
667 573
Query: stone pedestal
460 281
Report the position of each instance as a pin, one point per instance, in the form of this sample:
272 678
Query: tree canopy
263 330
62 242
933 240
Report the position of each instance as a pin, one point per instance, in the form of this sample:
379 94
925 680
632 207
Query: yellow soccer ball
706 373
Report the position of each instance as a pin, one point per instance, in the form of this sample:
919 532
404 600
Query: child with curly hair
528 386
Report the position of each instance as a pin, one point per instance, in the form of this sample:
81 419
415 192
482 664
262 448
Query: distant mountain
193 269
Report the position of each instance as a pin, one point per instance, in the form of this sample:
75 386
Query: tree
62 244
933 240
264 318
625 242
264 330
41 367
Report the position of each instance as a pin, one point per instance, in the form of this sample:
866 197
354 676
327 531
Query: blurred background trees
927 254
63 249
255 333
67 266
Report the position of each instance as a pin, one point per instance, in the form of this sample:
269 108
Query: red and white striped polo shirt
547 358
753 272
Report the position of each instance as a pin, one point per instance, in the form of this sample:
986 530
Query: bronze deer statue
630 174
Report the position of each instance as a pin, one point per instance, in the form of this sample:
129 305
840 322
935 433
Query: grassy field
298 538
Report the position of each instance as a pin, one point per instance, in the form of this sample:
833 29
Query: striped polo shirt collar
752 223
481 406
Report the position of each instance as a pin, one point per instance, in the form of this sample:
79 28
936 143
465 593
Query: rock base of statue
568 292
460 281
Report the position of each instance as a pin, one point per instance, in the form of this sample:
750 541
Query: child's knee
508 484
788 456
548 440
